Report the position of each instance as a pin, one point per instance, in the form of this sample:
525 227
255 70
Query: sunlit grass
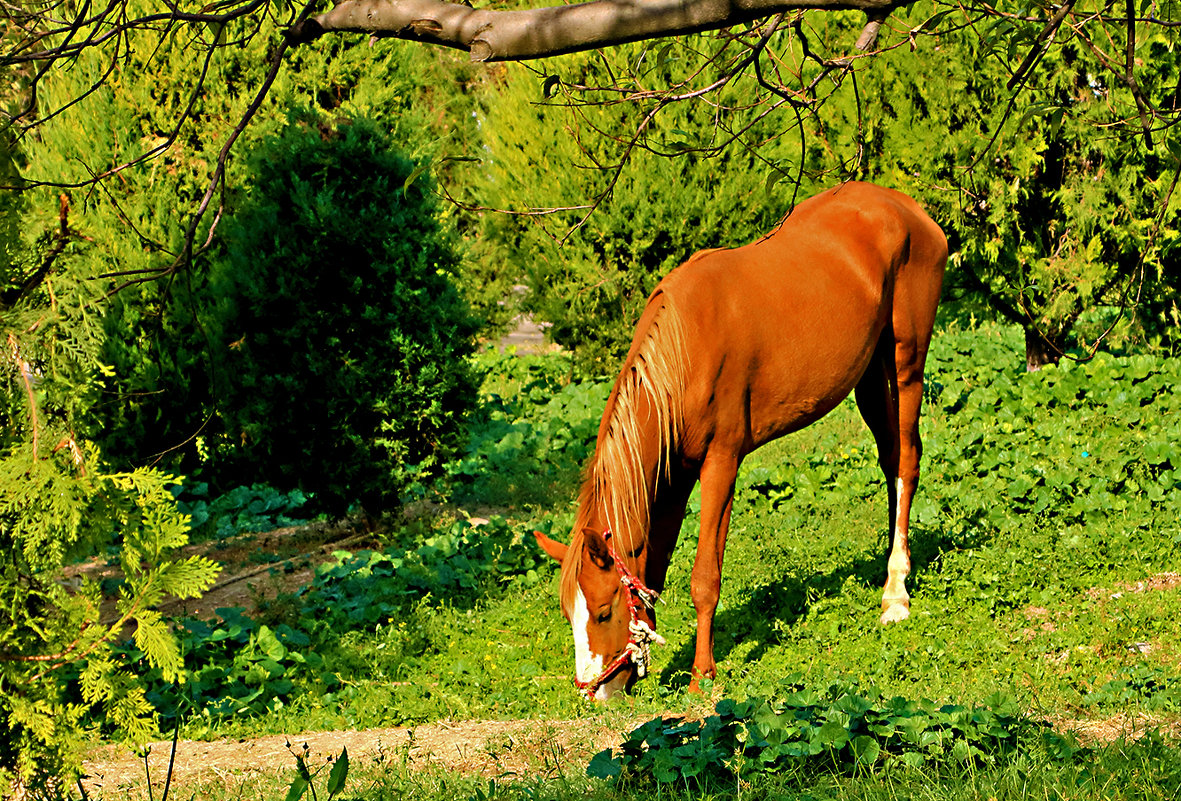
1047 606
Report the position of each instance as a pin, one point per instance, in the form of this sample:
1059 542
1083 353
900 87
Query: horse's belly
783 401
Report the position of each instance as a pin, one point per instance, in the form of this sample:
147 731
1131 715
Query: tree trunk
1042 348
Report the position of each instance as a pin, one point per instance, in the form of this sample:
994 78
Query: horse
736 348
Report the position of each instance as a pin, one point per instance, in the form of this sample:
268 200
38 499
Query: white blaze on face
587 665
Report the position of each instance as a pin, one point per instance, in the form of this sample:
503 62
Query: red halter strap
640 634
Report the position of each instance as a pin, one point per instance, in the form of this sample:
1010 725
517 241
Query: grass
1048 505
1148 769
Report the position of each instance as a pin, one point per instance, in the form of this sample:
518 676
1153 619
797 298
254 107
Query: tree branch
555 30
1130 77
12 296
1037 51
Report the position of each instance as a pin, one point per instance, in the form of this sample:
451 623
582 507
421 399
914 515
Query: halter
640 634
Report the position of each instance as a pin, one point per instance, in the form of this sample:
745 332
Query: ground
491 748
495 748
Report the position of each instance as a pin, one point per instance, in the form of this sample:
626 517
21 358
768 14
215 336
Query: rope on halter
640 634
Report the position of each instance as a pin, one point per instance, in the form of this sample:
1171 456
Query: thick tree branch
556 30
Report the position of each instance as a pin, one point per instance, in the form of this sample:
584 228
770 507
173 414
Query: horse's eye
604 616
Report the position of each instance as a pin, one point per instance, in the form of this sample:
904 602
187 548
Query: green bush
160 339
341 344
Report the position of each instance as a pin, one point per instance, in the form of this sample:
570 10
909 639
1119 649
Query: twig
1037 51
26 373
1130 76
171 760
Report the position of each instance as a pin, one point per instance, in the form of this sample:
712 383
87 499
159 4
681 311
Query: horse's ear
597 550
555 549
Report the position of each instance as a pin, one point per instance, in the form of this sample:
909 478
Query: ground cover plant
1044 540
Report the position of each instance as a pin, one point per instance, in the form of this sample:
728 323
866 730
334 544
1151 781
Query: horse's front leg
717 498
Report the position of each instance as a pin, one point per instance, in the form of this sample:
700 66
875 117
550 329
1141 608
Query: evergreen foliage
1055 223
1051 217
160 335
341 340
683 189
61 503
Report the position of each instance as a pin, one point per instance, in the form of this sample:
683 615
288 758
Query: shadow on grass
784 601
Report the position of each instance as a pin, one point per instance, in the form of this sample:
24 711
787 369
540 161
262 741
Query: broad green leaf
339 773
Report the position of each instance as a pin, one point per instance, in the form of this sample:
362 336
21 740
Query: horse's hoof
895 613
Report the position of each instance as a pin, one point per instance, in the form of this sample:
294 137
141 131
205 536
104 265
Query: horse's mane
615 483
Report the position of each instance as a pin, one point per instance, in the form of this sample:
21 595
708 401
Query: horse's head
610 610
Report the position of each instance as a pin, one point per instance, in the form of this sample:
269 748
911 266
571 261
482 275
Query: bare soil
491 748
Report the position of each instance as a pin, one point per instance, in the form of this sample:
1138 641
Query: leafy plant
62 501
304 781
237 666
344 371
529 442
1143 686
241 510
232 667
843 728
453 567
51 631
160 337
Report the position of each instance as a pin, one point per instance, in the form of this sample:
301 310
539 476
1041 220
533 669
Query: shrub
341 342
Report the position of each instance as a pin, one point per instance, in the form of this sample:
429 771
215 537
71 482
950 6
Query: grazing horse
735 348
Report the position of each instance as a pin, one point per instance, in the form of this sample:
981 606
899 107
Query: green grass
1045 499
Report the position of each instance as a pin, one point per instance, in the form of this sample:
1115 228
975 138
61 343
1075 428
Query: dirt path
492 748
496 749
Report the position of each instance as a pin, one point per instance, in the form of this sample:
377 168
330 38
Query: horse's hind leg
878 399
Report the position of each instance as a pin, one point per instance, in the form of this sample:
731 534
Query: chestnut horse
734 349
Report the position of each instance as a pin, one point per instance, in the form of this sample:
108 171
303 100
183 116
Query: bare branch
1037 51
869 34
1130 77
555 30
